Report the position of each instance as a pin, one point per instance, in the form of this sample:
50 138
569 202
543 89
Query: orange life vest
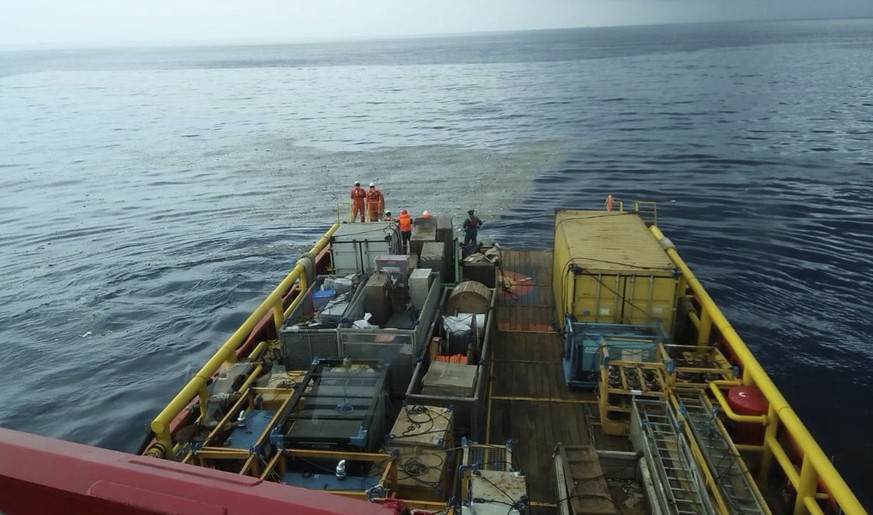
405 222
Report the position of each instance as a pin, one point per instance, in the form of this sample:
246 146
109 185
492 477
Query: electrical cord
516 503
415 468
415 426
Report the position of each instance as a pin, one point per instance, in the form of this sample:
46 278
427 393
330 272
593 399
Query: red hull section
44 475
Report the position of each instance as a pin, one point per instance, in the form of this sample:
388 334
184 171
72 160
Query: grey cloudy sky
59 23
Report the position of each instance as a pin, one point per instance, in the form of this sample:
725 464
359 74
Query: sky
106 23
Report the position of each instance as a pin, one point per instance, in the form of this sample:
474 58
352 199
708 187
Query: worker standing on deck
387 217
471 228
427 214
375 203
405 222
610 202
358 195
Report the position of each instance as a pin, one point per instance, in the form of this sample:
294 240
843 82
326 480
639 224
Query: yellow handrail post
784 461
767 455
812 506
231 356
704 330
258 350
692 317
805 487
278 315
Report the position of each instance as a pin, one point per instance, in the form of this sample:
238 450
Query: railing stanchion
806 486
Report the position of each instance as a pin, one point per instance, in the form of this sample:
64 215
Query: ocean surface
152 197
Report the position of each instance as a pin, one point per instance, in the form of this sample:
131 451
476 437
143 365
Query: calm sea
152 197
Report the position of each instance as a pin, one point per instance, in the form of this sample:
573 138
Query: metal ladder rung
668 451
718 454
693 503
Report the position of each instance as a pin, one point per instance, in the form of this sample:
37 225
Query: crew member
358 195
426 214
471 228
375 203
387 217
610 202
405 229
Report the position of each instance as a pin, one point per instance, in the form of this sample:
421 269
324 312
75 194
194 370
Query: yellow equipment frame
815 465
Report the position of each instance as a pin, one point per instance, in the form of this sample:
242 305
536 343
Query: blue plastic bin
320 298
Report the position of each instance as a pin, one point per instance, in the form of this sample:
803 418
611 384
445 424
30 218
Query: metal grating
722 458
679 488
488 457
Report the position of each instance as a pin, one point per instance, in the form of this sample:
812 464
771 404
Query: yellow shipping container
609 268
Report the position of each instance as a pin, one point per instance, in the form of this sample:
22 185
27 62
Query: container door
597 297
648 298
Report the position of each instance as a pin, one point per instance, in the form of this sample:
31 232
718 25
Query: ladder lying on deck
678 487
581 483
730 474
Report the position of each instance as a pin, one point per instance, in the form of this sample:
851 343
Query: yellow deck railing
815 465
227 352
646 209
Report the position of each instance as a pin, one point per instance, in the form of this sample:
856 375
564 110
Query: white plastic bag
365 323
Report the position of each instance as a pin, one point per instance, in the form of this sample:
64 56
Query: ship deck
529 401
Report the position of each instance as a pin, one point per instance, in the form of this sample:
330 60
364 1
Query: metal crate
301 345
300 348
399 347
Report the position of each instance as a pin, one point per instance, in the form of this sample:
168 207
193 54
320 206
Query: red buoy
748 400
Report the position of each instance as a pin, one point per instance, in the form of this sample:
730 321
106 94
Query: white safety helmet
425 213
372 184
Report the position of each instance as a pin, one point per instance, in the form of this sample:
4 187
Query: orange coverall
375 204
358 195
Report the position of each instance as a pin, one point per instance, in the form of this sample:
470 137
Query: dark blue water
153 197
